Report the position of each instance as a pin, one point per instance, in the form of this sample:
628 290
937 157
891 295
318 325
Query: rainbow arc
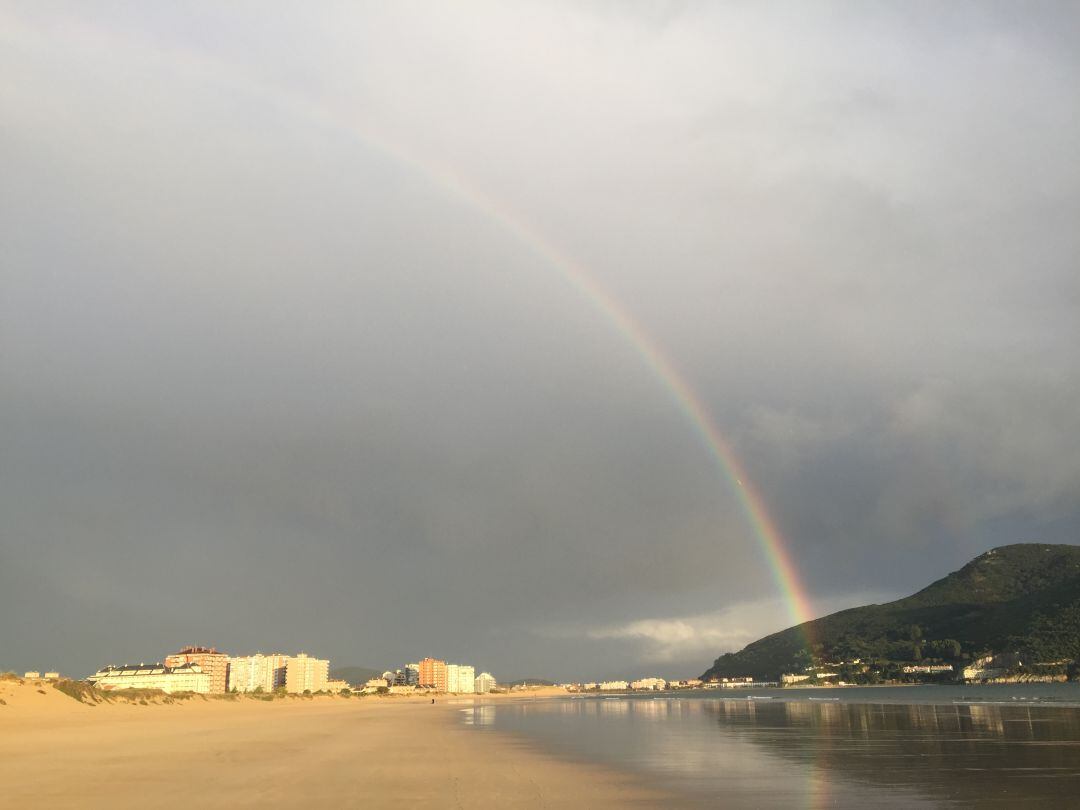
767 536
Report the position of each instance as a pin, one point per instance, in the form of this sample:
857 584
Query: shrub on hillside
79 690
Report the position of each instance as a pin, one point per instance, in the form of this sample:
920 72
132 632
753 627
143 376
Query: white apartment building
460 678
613 686
484 683
185 678
467 679
306 674
250 672
649 683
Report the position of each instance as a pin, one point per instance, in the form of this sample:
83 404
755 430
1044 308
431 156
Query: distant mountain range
355 675
1022 599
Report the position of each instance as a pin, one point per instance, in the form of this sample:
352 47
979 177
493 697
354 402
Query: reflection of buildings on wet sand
614 706
889 755
970 752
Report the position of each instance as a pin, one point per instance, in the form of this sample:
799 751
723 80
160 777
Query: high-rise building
213 663
467 679
484 683
431 674
250 672
306 674
460 678
412 674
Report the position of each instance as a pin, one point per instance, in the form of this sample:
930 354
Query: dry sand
343 752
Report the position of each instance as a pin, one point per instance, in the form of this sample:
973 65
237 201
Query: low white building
375 684
614 686
185 678
649 684
732 683
977 673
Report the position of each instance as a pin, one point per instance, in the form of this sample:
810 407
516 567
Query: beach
56 752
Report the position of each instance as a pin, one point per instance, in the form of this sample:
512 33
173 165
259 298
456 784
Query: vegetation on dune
79 690
1022 599
90 695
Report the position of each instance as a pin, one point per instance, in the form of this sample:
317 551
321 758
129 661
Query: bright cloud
711 634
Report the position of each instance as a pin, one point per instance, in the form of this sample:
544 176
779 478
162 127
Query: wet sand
351 752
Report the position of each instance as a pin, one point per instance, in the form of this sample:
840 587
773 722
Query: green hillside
1022 599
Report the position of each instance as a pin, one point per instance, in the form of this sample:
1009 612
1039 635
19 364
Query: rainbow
766 534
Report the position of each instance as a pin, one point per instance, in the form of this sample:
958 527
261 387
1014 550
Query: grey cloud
257 338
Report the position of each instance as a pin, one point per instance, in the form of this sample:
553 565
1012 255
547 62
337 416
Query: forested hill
1022 598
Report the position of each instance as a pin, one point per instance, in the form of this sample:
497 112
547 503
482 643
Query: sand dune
56 752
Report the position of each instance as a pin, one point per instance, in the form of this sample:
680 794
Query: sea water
925 746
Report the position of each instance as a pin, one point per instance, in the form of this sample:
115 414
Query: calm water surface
1000 746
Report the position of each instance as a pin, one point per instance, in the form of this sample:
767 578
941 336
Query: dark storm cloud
268 384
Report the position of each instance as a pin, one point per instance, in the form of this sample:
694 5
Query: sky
332 326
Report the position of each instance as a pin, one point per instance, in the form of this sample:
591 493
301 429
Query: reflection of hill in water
966 753
741 753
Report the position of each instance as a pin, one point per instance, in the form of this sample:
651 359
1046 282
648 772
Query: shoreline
57 752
